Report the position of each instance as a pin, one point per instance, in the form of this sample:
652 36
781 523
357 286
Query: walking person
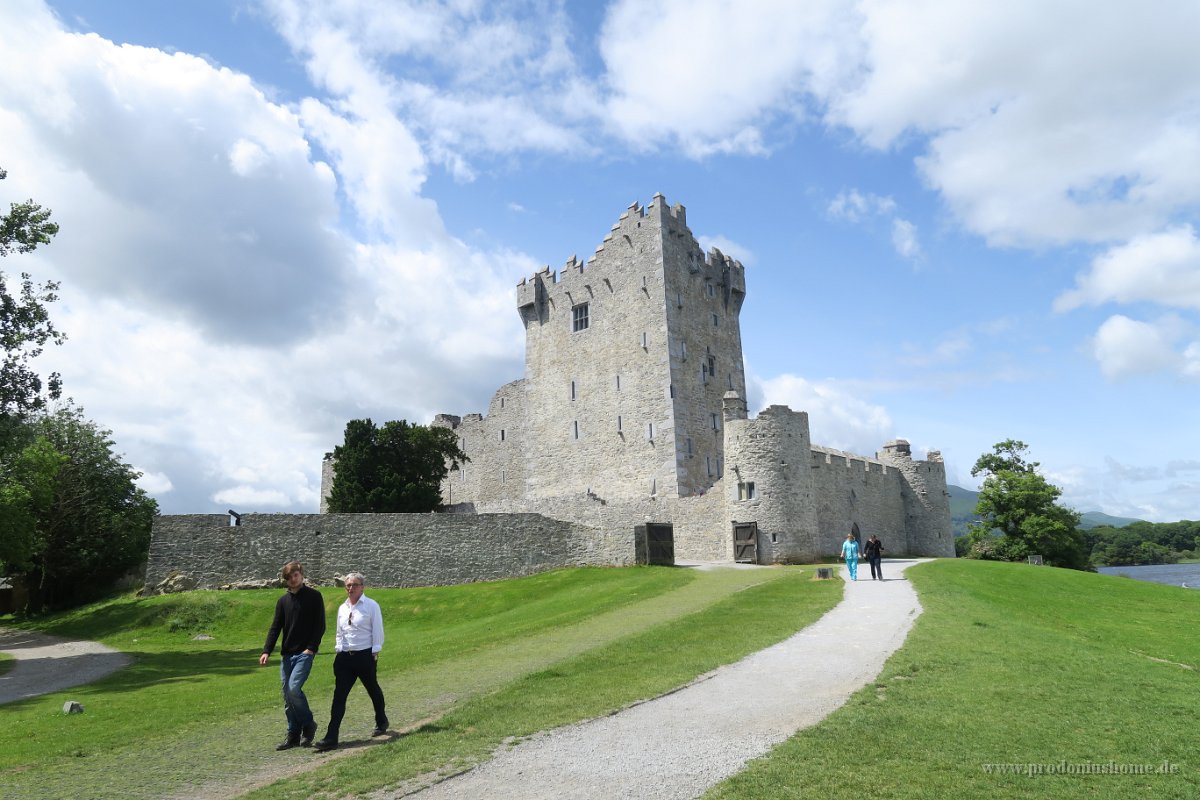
300 616
873 553
850 554
359 638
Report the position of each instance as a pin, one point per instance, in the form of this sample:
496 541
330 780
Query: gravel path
47 663
679 745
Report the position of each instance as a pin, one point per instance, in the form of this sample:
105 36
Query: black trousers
349 667
876 567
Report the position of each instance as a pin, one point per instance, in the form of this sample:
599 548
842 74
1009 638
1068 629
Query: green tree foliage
72 517
1144 543
1019 513
25 326
394 468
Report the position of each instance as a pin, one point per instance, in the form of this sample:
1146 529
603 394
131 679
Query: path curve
47 663
677 746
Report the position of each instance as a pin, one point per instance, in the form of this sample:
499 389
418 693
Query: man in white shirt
359 639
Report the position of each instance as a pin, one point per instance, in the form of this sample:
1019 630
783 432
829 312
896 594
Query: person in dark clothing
300 616
873 552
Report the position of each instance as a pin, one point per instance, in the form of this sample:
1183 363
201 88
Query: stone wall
390 549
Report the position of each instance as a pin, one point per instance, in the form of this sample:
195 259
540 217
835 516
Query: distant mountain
1094 519
962 512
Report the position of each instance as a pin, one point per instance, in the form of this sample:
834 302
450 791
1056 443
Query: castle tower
770 480
627 357
926 499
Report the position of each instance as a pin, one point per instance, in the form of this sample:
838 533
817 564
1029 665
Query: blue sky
962 222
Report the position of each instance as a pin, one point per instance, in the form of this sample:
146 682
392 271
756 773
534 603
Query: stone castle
632 415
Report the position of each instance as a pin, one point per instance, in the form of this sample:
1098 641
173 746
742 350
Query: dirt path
679 745
47 663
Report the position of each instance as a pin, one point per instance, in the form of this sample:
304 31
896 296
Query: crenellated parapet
926 498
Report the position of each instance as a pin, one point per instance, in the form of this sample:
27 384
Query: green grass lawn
1012 665
478 663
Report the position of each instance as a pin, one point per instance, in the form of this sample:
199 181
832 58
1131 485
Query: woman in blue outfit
850 554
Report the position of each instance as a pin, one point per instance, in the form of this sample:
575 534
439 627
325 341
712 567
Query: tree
1019 504
77 520
25 325
396 468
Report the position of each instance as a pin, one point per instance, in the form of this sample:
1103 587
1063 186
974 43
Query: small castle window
645 341
572 390
576 429
712 365
618 383
716 321
619 425
711 291
746 490
672 390
716 421
689 445
502 434
579 317
650 431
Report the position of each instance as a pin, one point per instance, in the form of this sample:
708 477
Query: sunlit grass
1011 664
200 712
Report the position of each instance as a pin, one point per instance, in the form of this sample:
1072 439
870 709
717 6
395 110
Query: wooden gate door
745 542
660 544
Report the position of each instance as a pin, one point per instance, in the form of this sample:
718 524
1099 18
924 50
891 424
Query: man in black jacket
300 615
873 552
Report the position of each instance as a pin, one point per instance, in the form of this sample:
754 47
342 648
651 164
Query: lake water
1173 574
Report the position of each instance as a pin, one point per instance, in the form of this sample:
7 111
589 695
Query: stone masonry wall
390 549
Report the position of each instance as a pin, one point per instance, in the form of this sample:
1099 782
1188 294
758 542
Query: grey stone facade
391 549
632 410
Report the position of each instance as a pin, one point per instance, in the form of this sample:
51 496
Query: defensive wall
390 549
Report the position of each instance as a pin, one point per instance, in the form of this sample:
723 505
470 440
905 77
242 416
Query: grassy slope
1011 664
201 714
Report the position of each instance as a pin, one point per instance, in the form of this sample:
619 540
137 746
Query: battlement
574 283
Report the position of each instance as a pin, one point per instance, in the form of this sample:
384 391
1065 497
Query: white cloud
861 207
159 168
219 322
1161 267
709 74
856 206
904 238
1125 347
838 416
1046 122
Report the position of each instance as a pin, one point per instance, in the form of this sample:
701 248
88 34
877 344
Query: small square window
579 317
746 490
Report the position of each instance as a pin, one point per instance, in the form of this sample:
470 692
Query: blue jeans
293 672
